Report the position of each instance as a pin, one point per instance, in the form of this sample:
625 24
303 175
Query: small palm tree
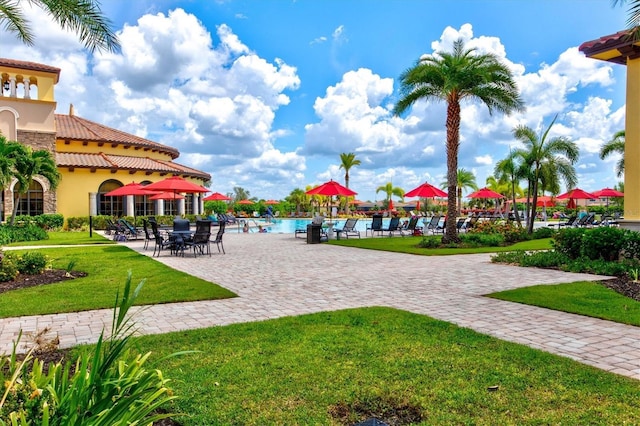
615 145
509 170
454 77
29 164
544 158
390 190
347 161
7 161
81 16
465 180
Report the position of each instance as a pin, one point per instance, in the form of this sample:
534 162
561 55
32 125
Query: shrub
545 259
569 242
631 245
482 240
29 232
31 263
598 267
543 232
8 267
511 257
430 242
45 221
510 231
603 243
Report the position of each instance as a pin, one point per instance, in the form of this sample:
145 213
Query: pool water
289 226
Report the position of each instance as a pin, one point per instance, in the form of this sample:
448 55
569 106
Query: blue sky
266 94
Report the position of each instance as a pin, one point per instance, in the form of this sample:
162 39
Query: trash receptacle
313 233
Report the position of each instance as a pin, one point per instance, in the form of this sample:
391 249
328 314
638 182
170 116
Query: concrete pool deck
277 275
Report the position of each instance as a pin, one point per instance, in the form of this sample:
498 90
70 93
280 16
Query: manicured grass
107 267
583 298
296 370
410 245
66 238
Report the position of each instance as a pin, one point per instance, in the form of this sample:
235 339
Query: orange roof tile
107 161
25 65
72 127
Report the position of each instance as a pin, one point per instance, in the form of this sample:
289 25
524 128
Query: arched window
31 203
109 206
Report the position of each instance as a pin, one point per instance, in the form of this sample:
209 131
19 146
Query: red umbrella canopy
391 205
176 184
167 196
485 193
272 202
245 202
608 193
426 190
130 189
216 196
576 194
546 201
331 188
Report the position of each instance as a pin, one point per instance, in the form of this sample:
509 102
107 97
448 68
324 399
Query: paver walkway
277 275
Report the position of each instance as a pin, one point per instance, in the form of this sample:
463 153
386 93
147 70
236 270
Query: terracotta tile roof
616 48
72 127
25 65
123 162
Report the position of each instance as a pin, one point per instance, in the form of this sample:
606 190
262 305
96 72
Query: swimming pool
289 226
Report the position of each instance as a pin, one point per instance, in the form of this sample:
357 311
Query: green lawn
107 267
583 298
410 245
298 370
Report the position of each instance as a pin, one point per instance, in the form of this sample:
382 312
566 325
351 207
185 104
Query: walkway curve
278 275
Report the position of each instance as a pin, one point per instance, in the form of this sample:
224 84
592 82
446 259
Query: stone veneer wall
37 140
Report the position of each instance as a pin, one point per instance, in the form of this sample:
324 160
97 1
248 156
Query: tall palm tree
547 157
509 170
29 164
390 190
454 77
615 145
83 17
465 179
347 161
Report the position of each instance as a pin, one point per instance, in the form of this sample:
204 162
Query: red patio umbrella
272 202
485 193
247 202
130 189
576 194
391 205
216 196
608 193
167 196
546 201
330 189
176 184
426 190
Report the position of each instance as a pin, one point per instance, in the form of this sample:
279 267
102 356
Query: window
30 203
109 206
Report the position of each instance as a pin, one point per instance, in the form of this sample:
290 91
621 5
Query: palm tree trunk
16 199
453 140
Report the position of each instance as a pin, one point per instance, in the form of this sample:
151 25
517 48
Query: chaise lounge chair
412 228
376 225
349 229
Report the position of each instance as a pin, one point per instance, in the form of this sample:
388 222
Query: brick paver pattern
277 275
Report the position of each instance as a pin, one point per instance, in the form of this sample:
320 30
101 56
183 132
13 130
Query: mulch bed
50 276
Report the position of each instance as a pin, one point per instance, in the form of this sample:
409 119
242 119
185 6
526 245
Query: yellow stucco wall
632 143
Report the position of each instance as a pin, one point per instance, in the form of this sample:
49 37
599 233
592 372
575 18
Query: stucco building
92 159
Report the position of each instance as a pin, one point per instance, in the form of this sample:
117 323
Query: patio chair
432 225
130 231
394 226
376 225
218 239
200 242
147 236
461 224
349 229
161 242
412 228
111 228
